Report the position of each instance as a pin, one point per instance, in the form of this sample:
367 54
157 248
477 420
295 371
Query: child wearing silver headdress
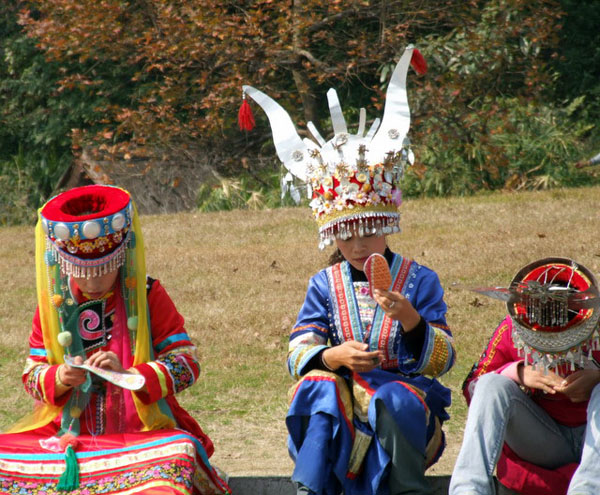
366 412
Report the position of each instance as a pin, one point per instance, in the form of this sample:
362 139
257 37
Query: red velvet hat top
563 278
88 226
86 203
555 308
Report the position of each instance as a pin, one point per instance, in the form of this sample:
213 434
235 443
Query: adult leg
407 470
499 412
314 452
586 480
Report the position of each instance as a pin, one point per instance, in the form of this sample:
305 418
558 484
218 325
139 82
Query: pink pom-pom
68 439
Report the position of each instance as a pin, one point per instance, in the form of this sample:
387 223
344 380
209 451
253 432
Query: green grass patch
239 279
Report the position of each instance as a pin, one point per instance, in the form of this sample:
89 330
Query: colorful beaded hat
87 229
352 178
87 232
554 304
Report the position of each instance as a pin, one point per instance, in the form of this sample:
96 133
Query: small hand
106 360
397 307
353 355
579 385
537 378
71 377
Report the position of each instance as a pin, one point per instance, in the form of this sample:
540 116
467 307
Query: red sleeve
36 339
175 366
499 353
39 377
165 320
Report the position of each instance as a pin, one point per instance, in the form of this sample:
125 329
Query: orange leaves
76 81
159 67
161 70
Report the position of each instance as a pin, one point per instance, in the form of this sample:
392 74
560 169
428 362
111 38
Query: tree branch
358 13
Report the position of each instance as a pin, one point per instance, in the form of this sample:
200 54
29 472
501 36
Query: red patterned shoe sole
378 273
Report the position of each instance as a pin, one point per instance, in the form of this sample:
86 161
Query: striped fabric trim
309 327
31 374
347 314
300 356
183 338
345 308
43 386
439 325
492 350
343 397
146 446
130 468
160 376
147 487
381 330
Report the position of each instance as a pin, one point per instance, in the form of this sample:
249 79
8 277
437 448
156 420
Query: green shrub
244 192
527 146
26 182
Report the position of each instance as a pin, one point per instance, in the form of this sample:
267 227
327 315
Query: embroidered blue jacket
330 316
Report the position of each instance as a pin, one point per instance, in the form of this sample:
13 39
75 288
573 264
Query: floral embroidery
175 362
32 385
174 472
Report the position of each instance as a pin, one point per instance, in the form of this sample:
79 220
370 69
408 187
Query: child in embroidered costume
108 353
534 394
366 413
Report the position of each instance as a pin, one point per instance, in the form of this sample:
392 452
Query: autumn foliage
165 69
168 73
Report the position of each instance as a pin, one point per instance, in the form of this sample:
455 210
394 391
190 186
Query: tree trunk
302 82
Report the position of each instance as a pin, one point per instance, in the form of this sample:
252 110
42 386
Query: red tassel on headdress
418 62
245 117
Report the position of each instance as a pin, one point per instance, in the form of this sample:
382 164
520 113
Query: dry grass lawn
239 279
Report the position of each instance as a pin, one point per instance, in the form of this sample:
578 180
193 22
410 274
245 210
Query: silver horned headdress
353 179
